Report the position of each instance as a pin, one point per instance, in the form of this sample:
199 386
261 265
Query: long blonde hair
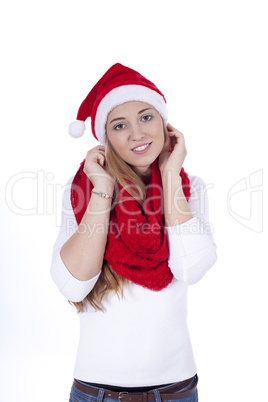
108 280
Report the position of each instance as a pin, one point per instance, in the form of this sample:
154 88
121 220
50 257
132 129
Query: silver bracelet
103 195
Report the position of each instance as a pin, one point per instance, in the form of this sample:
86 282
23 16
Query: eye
119 126
147 117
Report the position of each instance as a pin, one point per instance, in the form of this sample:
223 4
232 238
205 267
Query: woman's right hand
96 169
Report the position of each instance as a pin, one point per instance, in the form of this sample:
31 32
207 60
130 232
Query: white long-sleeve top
141 339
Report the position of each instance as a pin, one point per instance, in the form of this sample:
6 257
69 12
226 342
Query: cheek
112 138
118 143
158 128
160 133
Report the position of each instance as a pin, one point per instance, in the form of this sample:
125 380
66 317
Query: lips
146 143
142 151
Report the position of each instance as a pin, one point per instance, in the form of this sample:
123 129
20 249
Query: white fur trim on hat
77 128
123 94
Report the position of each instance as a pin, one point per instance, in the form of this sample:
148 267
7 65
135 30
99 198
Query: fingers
101 159
172 129
96 155
96 150
174 135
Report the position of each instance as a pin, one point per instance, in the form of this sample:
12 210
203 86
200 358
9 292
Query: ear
167 144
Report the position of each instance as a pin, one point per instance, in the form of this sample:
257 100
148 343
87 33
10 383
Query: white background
209 58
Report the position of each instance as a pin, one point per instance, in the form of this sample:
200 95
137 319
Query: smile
141 148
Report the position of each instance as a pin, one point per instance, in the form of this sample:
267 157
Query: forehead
132 107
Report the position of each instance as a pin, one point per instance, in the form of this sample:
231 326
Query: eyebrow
122 118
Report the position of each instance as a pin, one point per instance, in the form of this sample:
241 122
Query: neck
145 174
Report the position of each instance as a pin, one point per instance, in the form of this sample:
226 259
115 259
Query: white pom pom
77 128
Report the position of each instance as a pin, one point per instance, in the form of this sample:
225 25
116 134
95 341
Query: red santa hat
118 85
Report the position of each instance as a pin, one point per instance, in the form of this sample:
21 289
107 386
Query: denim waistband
122 389
175 392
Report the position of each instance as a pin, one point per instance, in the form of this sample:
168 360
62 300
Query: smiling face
135 129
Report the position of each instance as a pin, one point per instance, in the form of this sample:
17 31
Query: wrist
106 191
171 179
105 186
101 194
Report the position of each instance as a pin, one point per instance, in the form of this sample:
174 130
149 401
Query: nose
136 133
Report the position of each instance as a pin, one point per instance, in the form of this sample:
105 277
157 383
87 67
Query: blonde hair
108 280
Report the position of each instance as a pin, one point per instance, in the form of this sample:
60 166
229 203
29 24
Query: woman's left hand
172 161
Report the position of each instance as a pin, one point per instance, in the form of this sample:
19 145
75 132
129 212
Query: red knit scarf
137 246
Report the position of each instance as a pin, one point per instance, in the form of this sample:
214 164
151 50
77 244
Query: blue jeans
78 396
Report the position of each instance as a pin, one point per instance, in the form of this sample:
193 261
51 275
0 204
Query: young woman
135 234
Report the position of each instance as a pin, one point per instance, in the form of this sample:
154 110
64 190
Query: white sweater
141 339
